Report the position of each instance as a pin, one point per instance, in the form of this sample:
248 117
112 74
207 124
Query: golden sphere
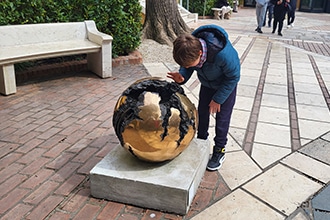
154 119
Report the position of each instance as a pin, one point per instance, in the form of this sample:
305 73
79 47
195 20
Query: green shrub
202 7
119 18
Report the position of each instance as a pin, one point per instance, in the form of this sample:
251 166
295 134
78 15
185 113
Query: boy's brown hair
186 49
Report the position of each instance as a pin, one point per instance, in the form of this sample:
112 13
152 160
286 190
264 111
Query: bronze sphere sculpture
154 119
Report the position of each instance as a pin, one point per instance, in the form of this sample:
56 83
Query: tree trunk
163 22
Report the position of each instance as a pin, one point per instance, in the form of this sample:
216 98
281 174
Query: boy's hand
214 107
176 76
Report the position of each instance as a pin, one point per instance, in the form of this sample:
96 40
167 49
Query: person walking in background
270 10
235 6
261 6
280 9
292 13
209 53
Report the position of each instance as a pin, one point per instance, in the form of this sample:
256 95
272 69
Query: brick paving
54 133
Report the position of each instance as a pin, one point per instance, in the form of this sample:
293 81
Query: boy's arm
182 76
176 76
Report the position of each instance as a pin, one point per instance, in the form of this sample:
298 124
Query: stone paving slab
262 156
309 166
318 149
282 188
238 169
239 205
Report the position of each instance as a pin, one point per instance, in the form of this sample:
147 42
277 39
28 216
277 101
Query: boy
209 52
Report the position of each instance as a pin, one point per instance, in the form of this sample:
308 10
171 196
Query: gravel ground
153 52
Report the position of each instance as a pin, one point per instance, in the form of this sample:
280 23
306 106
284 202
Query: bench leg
7 79
216 14
100 63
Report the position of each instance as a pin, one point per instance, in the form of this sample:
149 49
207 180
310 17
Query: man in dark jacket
209 52
280 9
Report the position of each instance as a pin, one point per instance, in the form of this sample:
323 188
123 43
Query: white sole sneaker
218 167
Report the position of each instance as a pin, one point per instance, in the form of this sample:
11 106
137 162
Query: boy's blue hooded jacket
221 70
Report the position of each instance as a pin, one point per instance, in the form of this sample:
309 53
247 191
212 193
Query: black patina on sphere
154 119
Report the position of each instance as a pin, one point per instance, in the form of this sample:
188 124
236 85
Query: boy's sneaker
216 160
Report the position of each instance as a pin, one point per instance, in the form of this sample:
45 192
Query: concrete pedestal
169 186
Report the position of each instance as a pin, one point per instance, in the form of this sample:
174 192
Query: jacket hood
215 38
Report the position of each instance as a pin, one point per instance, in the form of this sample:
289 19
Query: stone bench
20 43
217 13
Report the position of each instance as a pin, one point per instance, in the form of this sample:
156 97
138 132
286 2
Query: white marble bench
218 12
19 43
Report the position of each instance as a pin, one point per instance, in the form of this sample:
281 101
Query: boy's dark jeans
222 117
